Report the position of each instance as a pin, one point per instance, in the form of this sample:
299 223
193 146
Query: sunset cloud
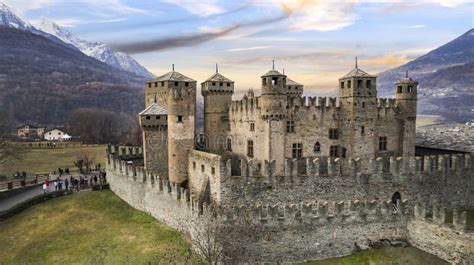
202 8
385 60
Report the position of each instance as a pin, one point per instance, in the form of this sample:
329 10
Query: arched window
317 147
229 145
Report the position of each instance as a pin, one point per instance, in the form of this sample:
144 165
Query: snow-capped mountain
97 50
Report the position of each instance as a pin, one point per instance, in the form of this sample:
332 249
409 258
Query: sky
314 41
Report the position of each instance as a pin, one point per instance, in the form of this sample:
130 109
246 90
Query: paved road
7 203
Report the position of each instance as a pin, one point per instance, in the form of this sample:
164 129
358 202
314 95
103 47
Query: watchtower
358 105
406 100
217 91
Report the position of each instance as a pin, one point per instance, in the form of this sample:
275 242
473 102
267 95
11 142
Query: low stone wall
450 241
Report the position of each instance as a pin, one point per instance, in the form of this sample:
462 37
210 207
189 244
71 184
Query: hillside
90 228
43 82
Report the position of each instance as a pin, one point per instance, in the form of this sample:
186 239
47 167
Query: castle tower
358 112
181 113
153 121
272 105
406 99
217 91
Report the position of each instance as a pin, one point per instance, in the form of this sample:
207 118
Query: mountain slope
456 52
43 82
97 50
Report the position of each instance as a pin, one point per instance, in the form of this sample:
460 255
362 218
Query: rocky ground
446 136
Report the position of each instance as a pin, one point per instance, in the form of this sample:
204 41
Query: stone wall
449 240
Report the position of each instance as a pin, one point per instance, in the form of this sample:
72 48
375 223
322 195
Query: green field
47 160
90 228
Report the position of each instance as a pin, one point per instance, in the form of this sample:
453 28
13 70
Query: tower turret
273 99
217 91
358 98
406 98
181 122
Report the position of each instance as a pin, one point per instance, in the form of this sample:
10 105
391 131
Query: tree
221 235
8 151
85 158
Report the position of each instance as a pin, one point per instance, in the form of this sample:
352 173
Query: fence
18 183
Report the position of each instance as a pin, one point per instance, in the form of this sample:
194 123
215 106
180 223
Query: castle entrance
396 197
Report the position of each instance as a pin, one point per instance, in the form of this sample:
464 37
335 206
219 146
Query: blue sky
315 41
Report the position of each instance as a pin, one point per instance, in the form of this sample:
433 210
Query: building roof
272 73
290 82
174 76
55 128
356 72
218 78
154 109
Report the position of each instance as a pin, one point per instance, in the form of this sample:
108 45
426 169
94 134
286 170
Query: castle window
399 89
274 80
228 84
175 83
333 134
362 129
383 143
158 117
162 83
149 85
213 170
342 84
368 84
213 83
290 126
317 147
343 152
180 118
334 151
359 83
148 117
252 126
156 84
410 89
229 145
194 165
264 81
363 105
297 150
250 148
186 84
349 84
221 84
203 168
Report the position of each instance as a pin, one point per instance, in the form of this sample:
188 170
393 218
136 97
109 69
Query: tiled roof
174 76
356 72
154 109
290 82
272 73
219 78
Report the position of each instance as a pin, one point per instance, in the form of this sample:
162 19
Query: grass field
425 120
90 228
389 255
47 160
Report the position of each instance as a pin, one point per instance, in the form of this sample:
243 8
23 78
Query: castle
317 175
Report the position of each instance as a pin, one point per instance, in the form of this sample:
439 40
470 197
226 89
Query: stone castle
318 176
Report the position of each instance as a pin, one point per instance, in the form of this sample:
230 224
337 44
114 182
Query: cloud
103 7
385 60
72 22
201 8
249 48
402 5
417 26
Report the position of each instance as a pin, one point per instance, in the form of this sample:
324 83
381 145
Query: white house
56 135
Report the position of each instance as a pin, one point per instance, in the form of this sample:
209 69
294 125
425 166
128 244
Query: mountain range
445 76
55 33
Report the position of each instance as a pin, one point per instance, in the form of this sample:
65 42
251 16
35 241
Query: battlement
439 215
123 151
248 103
386 103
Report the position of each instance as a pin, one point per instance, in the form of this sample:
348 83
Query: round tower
358 112
181 122
406 100
273 99
217 91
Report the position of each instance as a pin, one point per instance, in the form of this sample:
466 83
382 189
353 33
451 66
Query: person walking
45 187
66 183
55 185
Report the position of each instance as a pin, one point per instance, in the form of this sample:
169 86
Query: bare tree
222 235
133 134
8 151
85 158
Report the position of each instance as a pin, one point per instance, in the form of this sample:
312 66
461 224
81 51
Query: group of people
75 183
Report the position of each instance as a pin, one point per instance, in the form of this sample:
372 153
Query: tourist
45 187
95 179
55 185
60 184
66 183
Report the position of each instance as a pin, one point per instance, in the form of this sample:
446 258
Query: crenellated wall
448 238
